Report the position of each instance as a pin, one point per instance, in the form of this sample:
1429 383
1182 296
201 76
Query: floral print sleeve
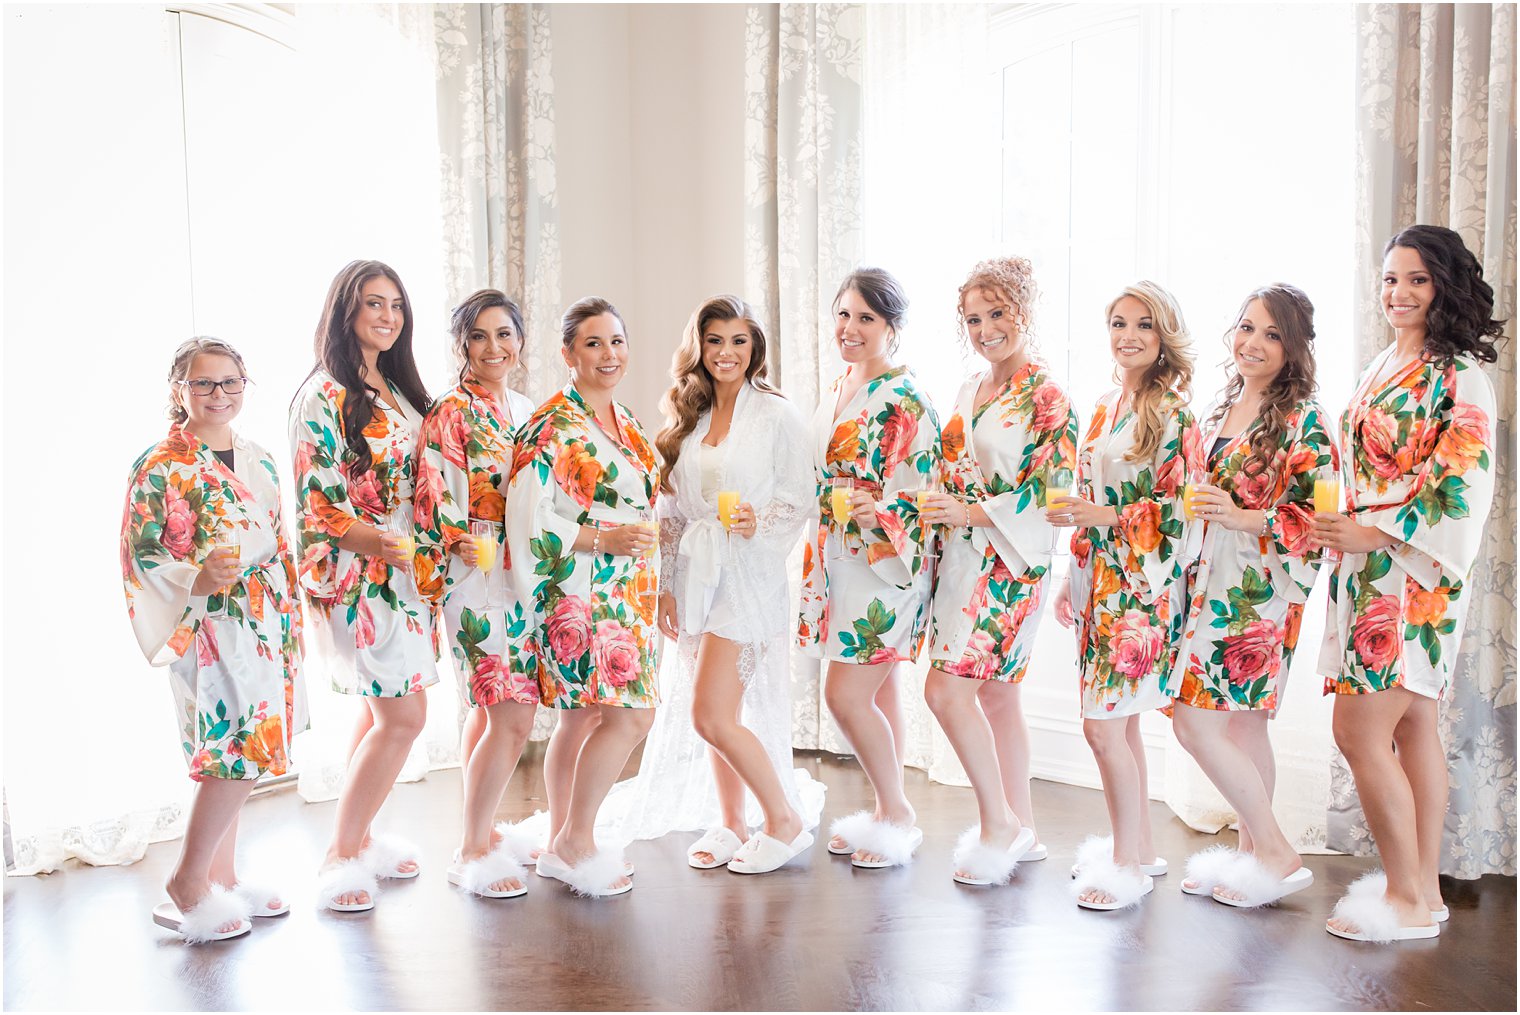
1418 464
897 450
323 510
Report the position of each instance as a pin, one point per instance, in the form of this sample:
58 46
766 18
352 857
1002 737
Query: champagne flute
1190 494
399 525
841 495
925 529
728 501
483 535
228 540
642 564
1327 496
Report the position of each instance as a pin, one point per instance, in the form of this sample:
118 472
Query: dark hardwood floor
821 935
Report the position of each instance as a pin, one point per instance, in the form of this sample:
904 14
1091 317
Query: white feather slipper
478 875
385 855
596 875
1375 920
976 863
200 924
1098 872
1105 847
1258 886
1204 869
846 828
893 843
519 841
259 898
349 877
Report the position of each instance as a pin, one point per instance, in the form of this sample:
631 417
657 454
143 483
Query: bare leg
1146 846
363 722
601 759
953 700
372 773
1249 731
224 862
574 725
1122 792
889 703
1364 726
506 729
213 811
1417 740
469 735
1205 734
717 700
852 693
1002 705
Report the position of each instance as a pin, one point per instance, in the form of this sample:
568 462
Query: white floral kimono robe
865 598
587 634
464 453
990 590
1417 462
377 625
734 588
1246 592
234 658
1126 589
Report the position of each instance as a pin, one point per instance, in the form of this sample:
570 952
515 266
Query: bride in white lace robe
730 586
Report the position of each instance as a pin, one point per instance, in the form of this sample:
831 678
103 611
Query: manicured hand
627 540
218 572
744 522
863 509
942 509
392 551
1341 532
465 549
1073 510
1215 506
666 617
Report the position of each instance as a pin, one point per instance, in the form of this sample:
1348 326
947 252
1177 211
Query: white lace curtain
1436 144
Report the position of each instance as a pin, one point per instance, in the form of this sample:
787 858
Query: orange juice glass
1327 496
728 500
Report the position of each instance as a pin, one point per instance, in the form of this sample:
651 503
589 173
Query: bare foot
1279 867
1410 915
998 836
187 894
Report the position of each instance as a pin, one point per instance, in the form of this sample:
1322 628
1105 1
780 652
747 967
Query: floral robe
1125 579
236 675
586 634
865 600
377 624
1245 594
991 586
463 456
1417 462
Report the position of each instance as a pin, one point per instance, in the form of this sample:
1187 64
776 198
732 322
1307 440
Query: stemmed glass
399 525
728 501
841 494
931 484
483 535
641 566
229 540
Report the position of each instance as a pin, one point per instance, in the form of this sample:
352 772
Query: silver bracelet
968 514
596 540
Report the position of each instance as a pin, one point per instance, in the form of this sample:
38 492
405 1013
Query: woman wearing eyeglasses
353 429
211 595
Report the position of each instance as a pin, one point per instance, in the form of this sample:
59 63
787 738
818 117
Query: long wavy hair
184 357
1461 316
1171 372
462 322
1293 315
692 393
337 352
1012 278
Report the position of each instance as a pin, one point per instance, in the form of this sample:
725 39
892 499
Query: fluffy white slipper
519 841
893 843
1036 853
260 896
976 863
1205 868
387 852
1259 886
1098 872
720 842
765 853
1105 847
847 828
347 878
595 876
1375 920
480 874
200 924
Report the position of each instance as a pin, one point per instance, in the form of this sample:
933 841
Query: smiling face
1408 289
598 356
381 314
993 327
217 409
859 331
727 347
1132 335
1257 344
492 346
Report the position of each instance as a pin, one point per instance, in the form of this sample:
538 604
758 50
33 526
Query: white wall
657 225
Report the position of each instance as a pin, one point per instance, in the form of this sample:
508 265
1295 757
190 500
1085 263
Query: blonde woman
1123 593
734 494
1012 436
211 594
463 457
865 576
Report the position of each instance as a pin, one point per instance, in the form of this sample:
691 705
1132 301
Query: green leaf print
374 688
472 628
879 619
547 547
1254 590
219 730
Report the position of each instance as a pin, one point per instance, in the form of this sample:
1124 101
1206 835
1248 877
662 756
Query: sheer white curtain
244 171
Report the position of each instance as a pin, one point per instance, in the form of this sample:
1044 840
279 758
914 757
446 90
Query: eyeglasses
202 387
